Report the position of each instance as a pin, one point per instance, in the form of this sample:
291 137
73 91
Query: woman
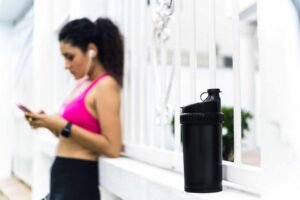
89 123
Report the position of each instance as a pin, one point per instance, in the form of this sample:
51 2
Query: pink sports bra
76 112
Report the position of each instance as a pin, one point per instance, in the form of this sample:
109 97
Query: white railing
148 107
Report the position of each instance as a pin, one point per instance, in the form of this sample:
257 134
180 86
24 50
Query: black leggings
74 179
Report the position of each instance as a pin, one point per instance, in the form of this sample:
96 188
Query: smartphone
24 108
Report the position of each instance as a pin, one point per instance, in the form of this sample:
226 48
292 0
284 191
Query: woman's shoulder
107 83
107 90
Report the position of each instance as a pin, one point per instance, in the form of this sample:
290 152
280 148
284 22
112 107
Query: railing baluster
126 108
177 82
141 67
212 44
157 91
237 82
152 96
133 116
163 70
193 56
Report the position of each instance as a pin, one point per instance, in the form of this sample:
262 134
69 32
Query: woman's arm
107 103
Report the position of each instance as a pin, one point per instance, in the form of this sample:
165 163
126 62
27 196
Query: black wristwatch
66 132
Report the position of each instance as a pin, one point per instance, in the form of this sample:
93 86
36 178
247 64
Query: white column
43 53
43 73
279 67
6 82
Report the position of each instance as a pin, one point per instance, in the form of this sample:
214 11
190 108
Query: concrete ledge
129 179
133 180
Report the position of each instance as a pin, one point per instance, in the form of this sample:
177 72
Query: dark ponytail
110 42
105 35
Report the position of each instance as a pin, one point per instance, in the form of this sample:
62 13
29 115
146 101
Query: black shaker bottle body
201 129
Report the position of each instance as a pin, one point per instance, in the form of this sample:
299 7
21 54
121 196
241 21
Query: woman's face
76 61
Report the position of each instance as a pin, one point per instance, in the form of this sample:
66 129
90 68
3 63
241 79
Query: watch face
65 133
67 130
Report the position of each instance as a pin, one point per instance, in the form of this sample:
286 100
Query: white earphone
91 53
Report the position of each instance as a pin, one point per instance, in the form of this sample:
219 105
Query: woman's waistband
75 165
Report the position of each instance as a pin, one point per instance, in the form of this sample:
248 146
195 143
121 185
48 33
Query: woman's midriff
68 148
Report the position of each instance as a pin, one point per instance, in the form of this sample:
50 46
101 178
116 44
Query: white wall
278 30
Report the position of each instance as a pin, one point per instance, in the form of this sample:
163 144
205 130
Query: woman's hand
55 123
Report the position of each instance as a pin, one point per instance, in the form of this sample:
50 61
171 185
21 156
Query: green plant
228 142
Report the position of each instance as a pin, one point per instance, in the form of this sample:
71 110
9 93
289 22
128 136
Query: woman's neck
98 69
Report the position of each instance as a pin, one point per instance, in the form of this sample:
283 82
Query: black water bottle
201 129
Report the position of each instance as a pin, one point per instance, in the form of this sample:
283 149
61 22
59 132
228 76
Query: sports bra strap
95 81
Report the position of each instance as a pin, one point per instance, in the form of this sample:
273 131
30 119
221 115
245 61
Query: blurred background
174 51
